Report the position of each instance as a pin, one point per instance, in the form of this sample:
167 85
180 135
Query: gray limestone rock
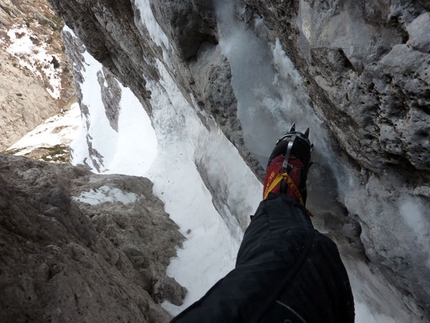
168 289
359 68
111 96
25 81
104 25
71 253
189 24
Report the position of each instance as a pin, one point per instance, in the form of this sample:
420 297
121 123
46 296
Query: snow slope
57 130
167 154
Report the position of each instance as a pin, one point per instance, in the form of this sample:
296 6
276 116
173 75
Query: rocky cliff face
367 72
82 247
35 77
364 67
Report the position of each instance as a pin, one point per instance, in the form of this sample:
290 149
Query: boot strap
290 183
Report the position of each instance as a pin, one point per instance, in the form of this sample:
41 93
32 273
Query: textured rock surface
367 71
111 96
24 100
365 67
81 247
104 26
189 23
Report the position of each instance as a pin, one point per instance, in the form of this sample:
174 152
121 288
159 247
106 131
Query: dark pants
285 272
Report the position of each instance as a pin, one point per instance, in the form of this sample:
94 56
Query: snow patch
413 212
154 29
106 194
57 130
210 250
181 141
33 55
131 150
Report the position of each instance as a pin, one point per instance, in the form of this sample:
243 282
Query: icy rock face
189 23
367 71
364 66
93 246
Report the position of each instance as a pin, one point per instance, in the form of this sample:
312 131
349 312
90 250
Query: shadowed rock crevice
111 96
189 24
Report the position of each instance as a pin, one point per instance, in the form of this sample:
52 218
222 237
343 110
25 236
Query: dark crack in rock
111 96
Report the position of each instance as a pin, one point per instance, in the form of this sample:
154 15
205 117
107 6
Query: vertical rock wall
367 71
35 76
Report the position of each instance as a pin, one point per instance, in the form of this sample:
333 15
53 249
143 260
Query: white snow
375 301
129 151
106 194
413 214
152 26
211 247
57 130
34 57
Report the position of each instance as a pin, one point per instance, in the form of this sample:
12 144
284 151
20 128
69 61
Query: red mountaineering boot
288 166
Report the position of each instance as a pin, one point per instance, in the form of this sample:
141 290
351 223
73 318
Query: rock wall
365 68
78 247
35 76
